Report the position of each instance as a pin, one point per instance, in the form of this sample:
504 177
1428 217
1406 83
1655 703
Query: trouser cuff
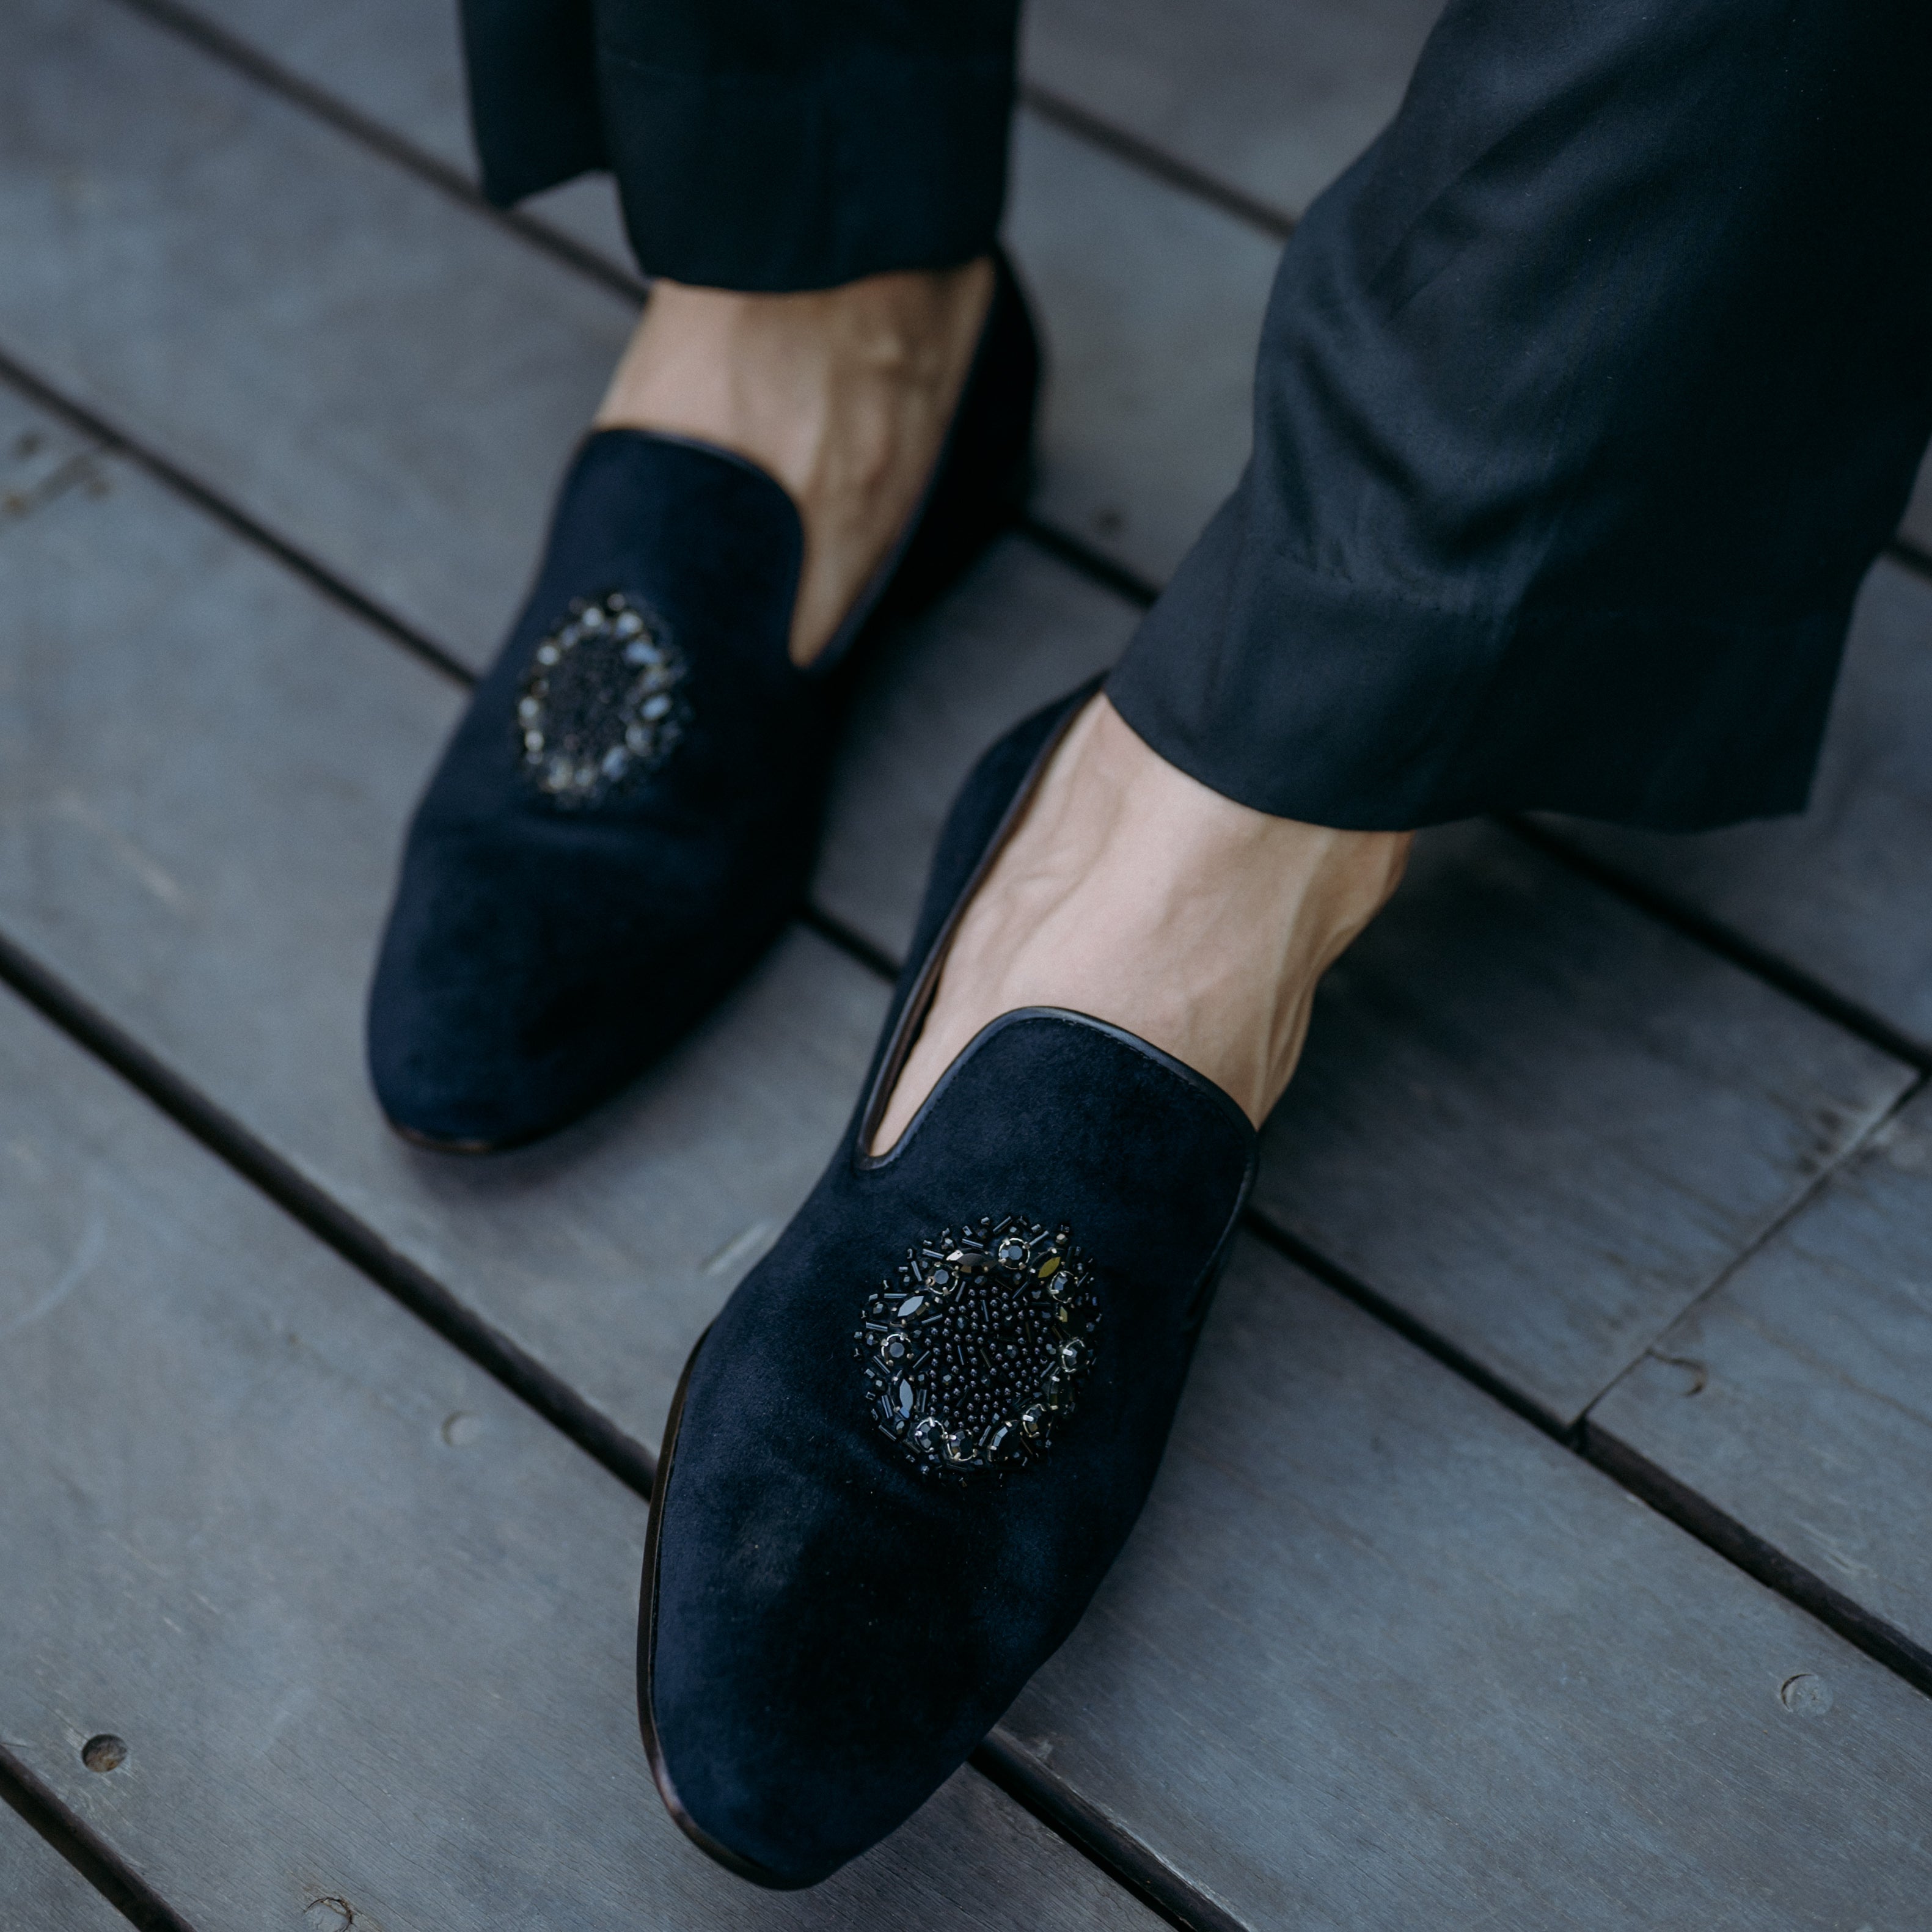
1315 698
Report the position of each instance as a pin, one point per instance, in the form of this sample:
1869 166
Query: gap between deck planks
40 1891
1844 891
1793 1404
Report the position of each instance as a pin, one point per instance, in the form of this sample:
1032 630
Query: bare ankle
842 394
1134 893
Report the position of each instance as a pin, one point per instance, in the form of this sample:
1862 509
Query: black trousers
1585 399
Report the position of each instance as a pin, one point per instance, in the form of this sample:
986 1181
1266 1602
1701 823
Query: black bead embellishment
972 1358
602 703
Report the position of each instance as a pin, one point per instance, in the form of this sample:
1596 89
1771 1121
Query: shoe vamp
825 1607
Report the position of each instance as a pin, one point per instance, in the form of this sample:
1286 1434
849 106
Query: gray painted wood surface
1355 1220
1151 303
40 1891
1540 1124
365 1623
1446 1692
1275 97
204 770
39 459
1020 631
1845 891
389 381
1797 1398
1380 1655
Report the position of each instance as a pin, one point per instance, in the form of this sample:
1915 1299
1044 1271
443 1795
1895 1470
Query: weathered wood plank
1841 892
1541 1124
1274 99
302 699
1379 1654
408 80
1153 303
365 1623
1020 631
387 379
40 1891
1797 1398
205 768
39 458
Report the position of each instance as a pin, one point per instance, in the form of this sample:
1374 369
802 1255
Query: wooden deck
1547 1539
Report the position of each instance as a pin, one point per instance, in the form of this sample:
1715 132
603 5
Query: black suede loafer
629 810
903 1457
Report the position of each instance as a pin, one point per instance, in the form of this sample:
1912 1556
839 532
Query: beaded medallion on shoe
973 1358
601 704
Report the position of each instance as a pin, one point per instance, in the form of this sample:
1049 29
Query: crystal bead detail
602 703
972 1355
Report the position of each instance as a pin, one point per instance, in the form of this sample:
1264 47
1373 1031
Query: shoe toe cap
797 1713
510 995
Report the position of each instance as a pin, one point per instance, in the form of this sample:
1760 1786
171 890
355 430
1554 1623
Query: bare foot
844 394
1132 892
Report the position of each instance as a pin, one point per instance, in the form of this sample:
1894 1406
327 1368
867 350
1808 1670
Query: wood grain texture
1517 1321
365 1623
40 458
204 772
390 382
1020 631
1275 97
1797 1397
407 79
40 1891
1152 302
1540 1125
1380 1655
1843 892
